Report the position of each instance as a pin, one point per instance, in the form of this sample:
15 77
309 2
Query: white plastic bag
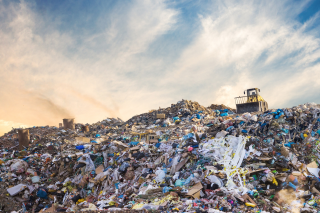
160 176
175 161
246 116
18 166
30 171
105 157
77 179
216 180
221 134
176 176
89 163
254 118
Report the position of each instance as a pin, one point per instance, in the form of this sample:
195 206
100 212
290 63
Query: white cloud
48 73
251 44
42 77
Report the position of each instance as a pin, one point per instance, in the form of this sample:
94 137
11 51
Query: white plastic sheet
89 163
230 152
16 189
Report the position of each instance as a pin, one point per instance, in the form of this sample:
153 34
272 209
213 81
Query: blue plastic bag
185 137
289 144
229 128
42 194
176 118
179 182
166 189
80 147
133 143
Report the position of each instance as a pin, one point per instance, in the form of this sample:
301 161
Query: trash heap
192 159
180 110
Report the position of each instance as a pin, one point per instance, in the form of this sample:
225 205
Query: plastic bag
160 176
187 181
18 166
89 164
176 118
246 116
42 194
166 189
176 176
174 164
77 179
35 179
221 134
216 180
254 118
105 158
179 182
124 167
80 147
150 206
30 171
167 121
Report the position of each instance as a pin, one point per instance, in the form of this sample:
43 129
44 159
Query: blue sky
96 59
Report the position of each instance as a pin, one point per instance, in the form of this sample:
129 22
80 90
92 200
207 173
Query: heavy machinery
253 102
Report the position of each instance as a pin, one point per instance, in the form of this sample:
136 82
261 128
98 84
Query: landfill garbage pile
42 135
195 159
180 110
220 107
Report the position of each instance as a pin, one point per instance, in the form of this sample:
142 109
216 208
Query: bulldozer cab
252 91
253 102
253 95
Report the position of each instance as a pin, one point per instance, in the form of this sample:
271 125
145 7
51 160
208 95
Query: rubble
184 158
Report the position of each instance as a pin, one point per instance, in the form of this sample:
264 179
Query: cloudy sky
96 59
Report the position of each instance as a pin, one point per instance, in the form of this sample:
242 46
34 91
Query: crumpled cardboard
194 191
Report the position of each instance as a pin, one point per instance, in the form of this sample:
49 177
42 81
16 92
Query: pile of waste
182 109
184 158
220 107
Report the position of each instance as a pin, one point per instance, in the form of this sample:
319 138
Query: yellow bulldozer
253 102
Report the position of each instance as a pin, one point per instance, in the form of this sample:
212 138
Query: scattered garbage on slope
184 158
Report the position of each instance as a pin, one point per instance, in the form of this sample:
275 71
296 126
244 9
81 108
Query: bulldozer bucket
252 107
